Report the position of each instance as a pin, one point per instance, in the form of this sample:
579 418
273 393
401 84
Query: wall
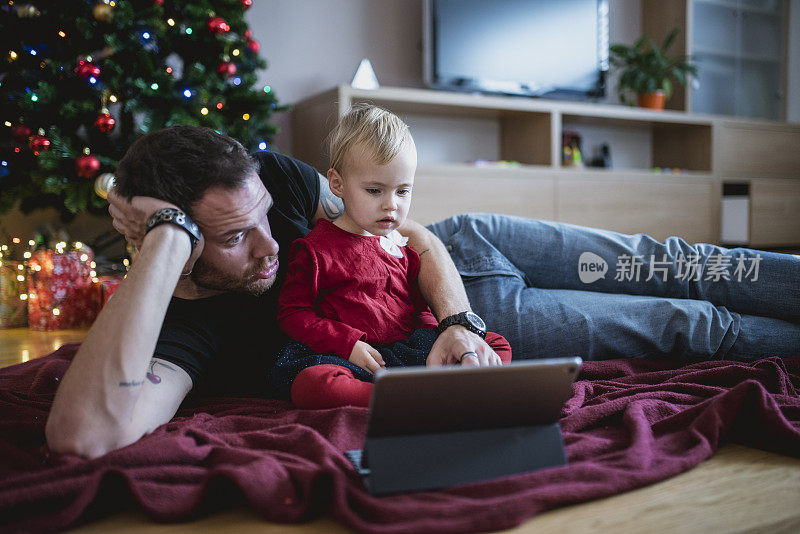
313 45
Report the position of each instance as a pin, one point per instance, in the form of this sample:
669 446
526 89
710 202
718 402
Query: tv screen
523 47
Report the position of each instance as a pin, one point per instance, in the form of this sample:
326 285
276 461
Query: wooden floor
738 490
19 345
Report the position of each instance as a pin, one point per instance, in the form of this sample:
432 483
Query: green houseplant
648 72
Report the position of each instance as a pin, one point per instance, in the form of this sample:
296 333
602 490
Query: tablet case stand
392 464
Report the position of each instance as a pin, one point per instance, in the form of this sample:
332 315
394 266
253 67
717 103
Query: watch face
476 321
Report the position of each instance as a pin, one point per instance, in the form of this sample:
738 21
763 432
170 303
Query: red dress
341 288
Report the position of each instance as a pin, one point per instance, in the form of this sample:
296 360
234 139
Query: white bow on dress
391 243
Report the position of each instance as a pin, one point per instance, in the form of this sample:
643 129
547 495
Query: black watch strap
469 320
178 218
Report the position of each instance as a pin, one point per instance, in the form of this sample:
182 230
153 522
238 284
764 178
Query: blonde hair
381 132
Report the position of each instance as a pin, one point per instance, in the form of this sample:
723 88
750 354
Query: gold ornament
103 184
103 13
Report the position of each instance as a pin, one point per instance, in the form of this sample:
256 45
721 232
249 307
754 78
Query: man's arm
441 286
106 400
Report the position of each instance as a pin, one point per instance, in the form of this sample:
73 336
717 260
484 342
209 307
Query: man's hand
366 357
130 216
130 219
458 345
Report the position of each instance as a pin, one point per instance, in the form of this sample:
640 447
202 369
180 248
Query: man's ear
336 182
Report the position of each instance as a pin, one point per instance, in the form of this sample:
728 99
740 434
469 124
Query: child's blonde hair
381 132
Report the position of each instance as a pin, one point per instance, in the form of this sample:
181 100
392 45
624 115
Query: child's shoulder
320 235
323 229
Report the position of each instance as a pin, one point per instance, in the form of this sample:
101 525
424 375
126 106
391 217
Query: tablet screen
417 400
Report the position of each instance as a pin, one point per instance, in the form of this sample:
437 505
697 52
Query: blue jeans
557 290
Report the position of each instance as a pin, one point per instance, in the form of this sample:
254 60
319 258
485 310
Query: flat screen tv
549 48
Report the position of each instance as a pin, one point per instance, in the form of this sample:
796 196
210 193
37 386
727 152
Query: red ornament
227 68
21 132
105 122
246 4
218 25
254 46
39 143
158 2
248 34
87 165
87 70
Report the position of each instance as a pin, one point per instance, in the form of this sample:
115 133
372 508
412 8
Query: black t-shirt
227 343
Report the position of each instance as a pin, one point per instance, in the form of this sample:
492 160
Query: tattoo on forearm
424 251
151 374
331 204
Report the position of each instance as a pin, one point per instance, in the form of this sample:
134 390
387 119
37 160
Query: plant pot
652 100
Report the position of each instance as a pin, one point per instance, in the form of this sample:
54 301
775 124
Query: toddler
350 298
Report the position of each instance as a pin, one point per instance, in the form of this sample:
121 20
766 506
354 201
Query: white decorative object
391 243
365 77
735 219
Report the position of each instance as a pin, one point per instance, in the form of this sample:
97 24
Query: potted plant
648 72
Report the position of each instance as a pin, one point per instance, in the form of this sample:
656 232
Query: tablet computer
433 427
420 400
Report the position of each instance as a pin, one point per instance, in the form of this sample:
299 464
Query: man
146 352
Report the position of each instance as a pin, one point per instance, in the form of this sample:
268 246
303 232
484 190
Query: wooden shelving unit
739 46
667 178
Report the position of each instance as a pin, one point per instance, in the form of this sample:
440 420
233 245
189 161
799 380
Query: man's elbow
66 437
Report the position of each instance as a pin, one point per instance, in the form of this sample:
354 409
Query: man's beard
207 276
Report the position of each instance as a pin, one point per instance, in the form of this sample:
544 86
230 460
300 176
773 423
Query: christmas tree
82 80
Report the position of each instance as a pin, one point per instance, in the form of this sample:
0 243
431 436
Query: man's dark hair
178 164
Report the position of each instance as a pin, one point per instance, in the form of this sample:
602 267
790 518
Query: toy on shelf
571 150
602 157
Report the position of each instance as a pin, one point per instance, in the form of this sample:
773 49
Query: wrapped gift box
108 284
61 290
13 295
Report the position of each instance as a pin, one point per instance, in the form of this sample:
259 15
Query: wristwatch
178 218
467 319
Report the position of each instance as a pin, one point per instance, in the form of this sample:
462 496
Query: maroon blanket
628 424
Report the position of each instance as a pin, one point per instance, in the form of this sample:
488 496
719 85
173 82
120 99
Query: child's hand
366 357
